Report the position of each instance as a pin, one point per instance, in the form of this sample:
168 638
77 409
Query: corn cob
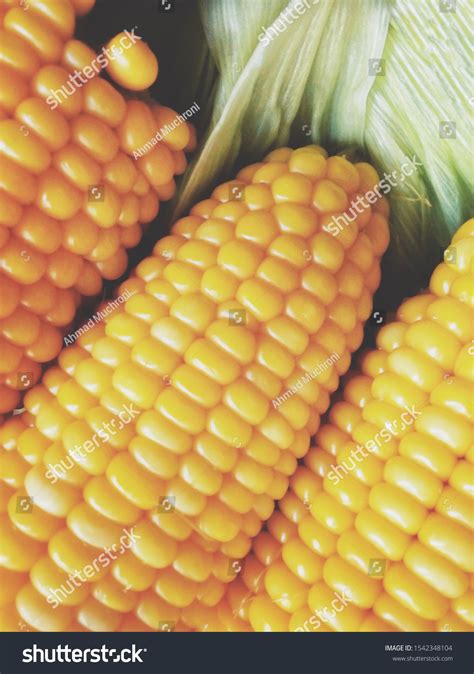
72 200
247 296
381 511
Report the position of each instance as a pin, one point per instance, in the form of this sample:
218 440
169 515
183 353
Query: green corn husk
313 83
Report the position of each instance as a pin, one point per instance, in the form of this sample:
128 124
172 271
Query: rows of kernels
382 509
208 433
57 242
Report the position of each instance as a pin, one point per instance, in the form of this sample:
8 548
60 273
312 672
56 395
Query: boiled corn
381 513
72 200
247 296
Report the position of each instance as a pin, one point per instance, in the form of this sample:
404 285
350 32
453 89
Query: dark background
164 31
187 73
167 32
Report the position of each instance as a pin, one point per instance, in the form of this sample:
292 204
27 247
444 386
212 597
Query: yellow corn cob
246 297
381 513
72 199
